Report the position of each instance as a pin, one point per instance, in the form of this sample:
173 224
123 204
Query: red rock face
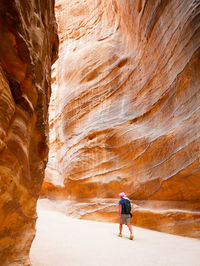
125 105
28 45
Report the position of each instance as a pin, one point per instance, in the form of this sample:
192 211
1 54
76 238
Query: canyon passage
124 112
114 108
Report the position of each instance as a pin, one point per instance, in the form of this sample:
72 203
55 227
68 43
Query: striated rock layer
28 47
126 97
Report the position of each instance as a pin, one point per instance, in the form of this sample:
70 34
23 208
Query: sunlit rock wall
28 45
126 97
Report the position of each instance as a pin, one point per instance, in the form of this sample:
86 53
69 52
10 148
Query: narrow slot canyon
99 97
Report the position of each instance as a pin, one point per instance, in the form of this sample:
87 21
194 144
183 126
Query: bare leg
130 228
120 228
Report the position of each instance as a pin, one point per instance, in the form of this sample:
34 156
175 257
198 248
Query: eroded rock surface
125 106
28 47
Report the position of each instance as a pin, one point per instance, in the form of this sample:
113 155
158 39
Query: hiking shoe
131 237
120 235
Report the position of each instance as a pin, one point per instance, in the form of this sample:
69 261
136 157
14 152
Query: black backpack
127 206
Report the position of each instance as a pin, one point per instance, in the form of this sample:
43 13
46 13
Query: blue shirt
121 202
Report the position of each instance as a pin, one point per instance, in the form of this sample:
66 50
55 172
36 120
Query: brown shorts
125 219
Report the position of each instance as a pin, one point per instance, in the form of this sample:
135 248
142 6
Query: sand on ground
64 241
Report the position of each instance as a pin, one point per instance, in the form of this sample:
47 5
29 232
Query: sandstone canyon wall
28 47
125 105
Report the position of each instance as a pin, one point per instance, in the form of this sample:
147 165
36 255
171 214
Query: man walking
125 214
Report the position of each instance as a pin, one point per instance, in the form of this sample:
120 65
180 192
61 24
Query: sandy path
62 240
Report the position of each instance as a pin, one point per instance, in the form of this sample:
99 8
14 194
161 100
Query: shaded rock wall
125 105
28 47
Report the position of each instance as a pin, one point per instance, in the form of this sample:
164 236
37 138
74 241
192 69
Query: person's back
126 206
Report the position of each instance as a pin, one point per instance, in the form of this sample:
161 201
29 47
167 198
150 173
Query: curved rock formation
28 47
125 105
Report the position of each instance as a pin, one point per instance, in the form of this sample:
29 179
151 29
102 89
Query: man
124 215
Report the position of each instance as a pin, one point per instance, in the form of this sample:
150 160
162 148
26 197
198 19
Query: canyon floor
65 241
